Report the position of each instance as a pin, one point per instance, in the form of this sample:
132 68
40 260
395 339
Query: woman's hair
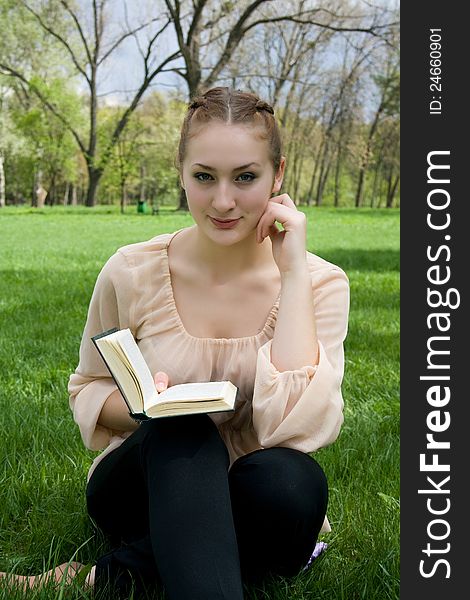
230 106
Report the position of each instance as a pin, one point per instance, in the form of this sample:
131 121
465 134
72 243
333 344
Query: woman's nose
224 198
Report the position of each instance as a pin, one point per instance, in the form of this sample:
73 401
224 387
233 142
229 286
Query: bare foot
67 571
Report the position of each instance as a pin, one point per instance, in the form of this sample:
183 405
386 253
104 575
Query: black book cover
135 416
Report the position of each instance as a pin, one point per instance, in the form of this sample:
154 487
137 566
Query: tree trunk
66 193
52 191
375 185
324 169
322 182
2 181
33 189
313 179
360 186
310 189
183 201
392 188
298 173
366 157
338 175
94 176
74 195
123 196
142 183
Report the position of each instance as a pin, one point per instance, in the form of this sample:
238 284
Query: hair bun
197 102
261 105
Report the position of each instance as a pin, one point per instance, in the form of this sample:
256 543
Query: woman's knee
286 478
181 436
279 498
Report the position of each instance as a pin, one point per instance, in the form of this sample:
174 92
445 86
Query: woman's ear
279 176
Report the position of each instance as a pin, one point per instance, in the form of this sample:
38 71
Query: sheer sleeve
91 384
317 415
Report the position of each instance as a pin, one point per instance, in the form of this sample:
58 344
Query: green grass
48 264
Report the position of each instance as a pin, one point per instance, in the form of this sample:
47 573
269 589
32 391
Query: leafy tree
85 48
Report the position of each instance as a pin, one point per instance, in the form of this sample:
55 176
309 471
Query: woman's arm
295 342
115 414
303 408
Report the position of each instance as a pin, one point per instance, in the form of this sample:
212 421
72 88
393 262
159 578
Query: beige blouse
134 290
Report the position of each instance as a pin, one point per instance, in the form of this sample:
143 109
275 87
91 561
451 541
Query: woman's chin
226 235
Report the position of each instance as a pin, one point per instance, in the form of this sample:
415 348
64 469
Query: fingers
161 381
279 209
284 199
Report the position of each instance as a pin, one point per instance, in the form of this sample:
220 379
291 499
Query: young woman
201 504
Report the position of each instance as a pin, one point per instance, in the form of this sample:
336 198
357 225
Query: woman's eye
246 177
203 176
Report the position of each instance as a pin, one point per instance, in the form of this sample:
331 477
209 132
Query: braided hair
233 107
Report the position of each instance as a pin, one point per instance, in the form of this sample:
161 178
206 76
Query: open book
127 365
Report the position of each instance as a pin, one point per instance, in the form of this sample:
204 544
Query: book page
122 372
211 390
127 365
133 354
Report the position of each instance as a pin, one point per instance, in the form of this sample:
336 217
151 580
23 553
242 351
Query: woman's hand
289 244
161 381
115 414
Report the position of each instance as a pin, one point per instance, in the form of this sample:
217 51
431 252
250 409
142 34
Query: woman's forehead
226 144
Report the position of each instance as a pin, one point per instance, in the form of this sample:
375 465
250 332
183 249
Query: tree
67 41
51 145
87 49
209 34
388 86
2 155
142 165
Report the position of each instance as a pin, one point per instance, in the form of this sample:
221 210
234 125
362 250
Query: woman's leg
117 502
165 493
279 499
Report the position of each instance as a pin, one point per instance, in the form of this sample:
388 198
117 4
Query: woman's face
227 174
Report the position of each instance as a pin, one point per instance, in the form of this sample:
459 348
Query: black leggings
181 520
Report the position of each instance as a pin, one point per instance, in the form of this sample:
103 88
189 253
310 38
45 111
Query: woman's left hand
289 244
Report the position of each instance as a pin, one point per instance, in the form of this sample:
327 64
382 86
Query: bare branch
96 19
198 8
235 36
370 30
133 105
10 72
150 45
175 70
79 28
58 37
175 16
124 36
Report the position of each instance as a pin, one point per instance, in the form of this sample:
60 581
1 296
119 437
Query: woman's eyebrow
236 168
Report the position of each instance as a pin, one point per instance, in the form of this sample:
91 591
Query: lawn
49 261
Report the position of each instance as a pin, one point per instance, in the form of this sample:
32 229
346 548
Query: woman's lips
224 224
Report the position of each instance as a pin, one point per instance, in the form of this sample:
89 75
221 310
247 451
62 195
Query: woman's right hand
115 414
161 381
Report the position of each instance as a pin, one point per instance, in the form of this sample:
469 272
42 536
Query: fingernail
160 386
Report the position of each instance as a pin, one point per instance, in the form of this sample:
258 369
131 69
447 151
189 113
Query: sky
122 73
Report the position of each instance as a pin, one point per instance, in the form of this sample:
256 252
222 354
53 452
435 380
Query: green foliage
145 154
47 141
49 262
38 141
324 106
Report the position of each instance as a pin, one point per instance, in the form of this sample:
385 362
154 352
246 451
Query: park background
92 95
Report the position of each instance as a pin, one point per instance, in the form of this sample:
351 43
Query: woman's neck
220 263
